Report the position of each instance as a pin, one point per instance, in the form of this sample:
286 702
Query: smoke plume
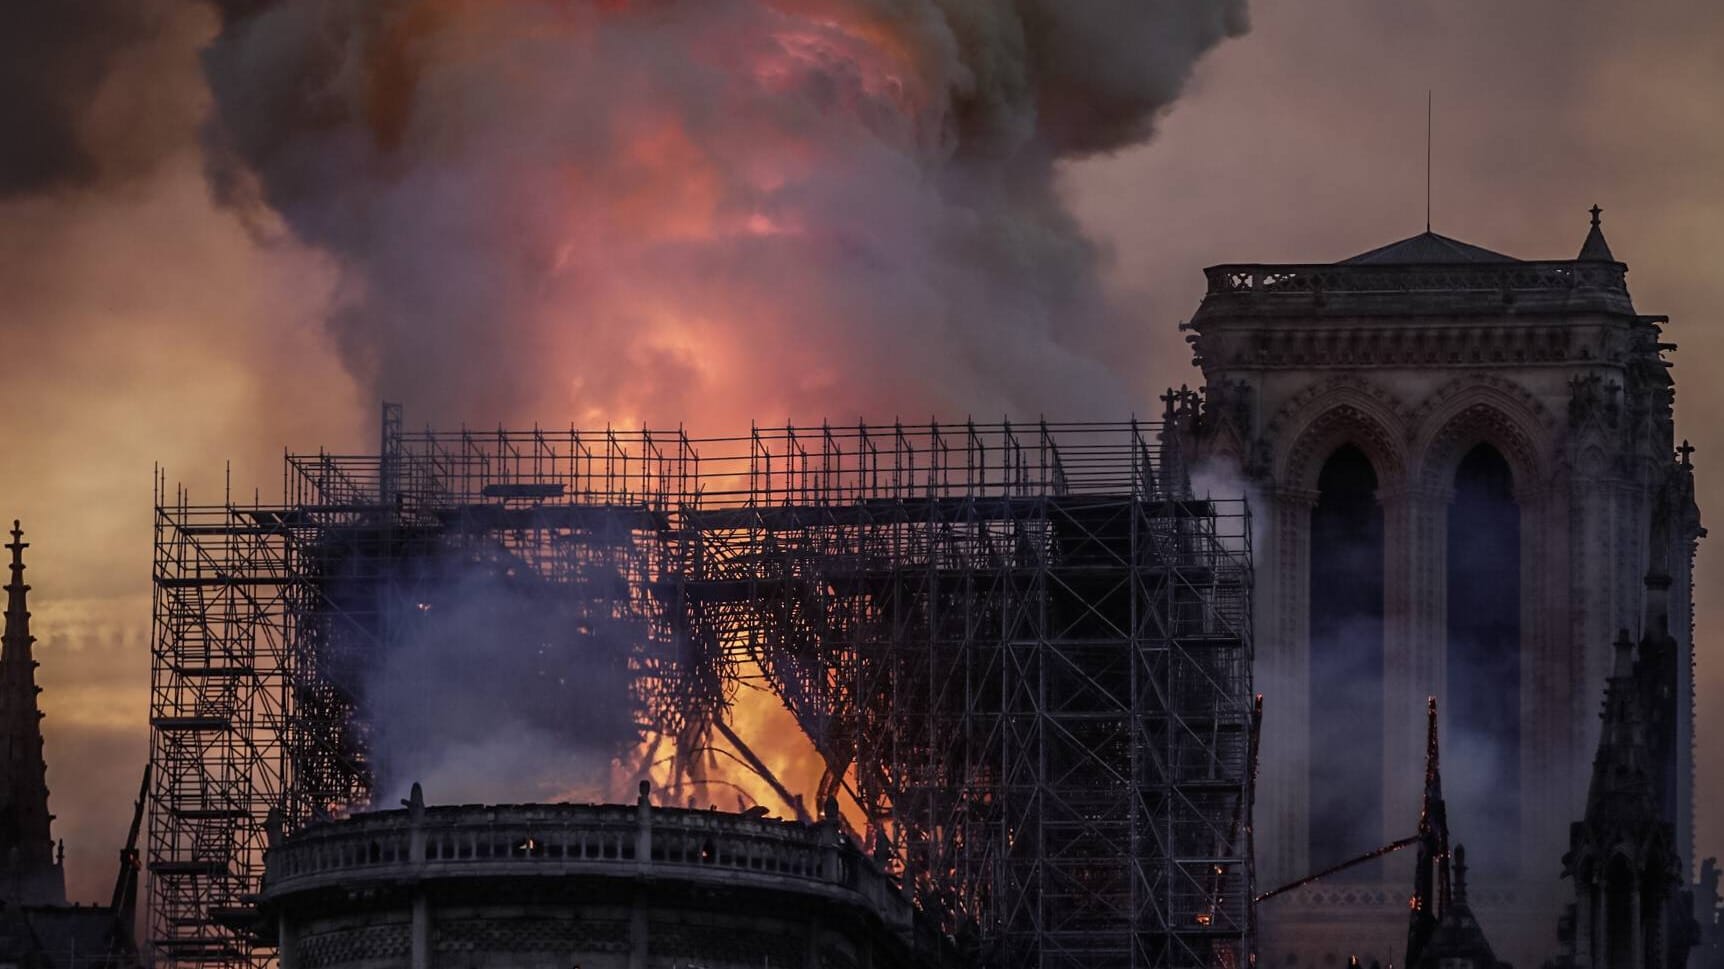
54 61
499 686
711 211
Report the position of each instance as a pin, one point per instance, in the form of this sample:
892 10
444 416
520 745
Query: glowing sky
140 323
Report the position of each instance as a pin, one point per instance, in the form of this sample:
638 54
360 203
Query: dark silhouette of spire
1431 892
1622 783
1632 915
1595 249
29 872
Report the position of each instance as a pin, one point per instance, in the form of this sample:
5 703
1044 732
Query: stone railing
576 840
1507 283
1342 278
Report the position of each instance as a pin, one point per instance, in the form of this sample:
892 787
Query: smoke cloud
707 211
53 65
142 324
677 211
498 686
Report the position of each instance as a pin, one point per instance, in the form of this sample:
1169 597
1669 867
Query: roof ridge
1427 247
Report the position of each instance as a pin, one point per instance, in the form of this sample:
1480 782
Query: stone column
1600 928
421 930
1592 612
1550 670
1682 628
811 958
1283 676
1659 954
1415 637
639 928
1636 931
287 944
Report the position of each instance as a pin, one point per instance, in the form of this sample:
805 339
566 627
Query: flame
663 190
632 236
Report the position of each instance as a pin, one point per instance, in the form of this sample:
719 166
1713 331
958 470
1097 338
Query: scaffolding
1023 653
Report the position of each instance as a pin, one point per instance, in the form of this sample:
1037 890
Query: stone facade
550 886
1414 354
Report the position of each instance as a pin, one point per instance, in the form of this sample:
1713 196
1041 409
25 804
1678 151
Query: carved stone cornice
1397 345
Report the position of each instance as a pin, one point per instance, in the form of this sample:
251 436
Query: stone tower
1463 465
30 874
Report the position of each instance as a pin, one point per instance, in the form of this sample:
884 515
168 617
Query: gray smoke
496 685
710 210
680 210
66 127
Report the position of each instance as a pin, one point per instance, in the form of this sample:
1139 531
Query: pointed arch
1482 409
1330 415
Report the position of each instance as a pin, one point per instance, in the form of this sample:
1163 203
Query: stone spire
1622 779
1595 249
29 872
1629 910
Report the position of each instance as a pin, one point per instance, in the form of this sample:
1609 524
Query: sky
150 321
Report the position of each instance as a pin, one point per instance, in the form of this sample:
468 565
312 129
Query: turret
1595 249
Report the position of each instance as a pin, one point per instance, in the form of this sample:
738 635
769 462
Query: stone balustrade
1523 284
779 879
562 837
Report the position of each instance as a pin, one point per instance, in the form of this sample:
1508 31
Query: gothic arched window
1481 741
1346 781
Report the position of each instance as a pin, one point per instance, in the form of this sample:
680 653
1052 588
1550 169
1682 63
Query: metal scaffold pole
1023 654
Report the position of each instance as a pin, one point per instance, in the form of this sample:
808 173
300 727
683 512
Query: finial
1595 249
1687 452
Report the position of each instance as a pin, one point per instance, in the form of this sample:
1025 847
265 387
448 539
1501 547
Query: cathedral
38 929
1466 482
